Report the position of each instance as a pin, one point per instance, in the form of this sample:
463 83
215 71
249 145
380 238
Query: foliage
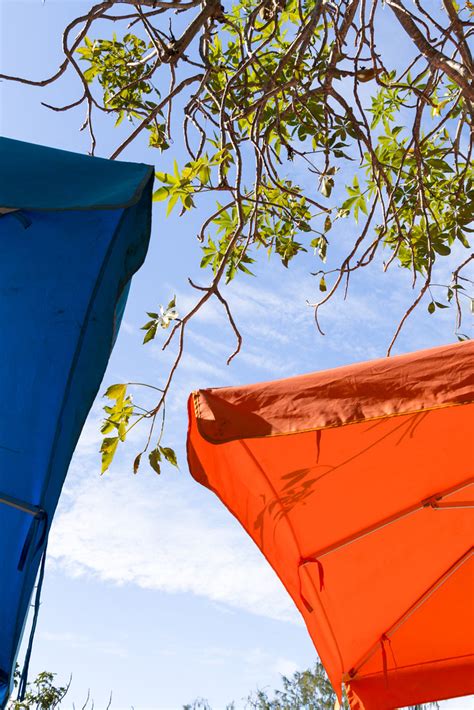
118 417
44 694
121 69
296 121
41 694
119 414
305 690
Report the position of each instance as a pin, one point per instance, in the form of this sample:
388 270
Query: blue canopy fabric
73 231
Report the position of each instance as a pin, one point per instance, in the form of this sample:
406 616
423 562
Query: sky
153 591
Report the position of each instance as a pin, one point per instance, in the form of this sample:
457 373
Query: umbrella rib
295 539
430 502
22 505
410 611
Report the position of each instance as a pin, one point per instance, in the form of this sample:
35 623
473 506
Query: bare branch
277 89
456 71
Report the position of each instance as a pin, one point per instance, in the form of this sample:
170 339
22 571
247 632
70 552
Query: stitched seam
331 426
296 543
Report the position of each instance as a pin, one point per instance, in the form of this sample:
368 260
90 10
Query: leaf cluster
117 420
123 71
42 694
119 414
303 135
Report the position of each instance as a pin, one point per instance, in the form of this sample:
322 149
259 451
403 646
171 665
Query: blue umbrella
73 231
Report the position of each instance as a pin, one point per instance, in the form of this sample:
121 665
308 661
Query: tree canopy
304 690
297 117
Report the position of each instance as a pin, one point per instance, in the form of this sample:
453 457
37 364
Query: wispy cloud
89 441
199 366
170 538
157 537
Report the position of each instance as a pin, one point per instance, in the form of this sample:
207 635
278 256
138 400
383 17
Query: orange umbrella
357 485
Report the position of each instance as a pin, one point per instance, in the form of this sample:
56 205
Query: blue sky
152 590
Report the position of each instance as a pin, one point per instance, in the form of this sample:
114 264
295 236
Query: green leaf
154 458
164 177
107 427
431 307
188 202
362 204
150 334
122 429
169 455
206 260
205 174
161 194
108 449
322 284
116 392
442 249
173 200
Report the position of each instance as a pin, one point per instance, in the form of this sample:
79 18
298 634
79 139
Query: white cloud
278 327
198 366
208 344
211 312
90 439
163 537
139 531
262 361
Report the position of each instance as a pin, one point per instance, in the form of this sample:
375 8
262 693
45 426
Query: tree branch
458 28
146 121
212 8
456 71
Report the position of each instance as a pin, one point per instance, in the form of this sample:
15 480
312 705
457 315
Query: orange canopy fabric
357 484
